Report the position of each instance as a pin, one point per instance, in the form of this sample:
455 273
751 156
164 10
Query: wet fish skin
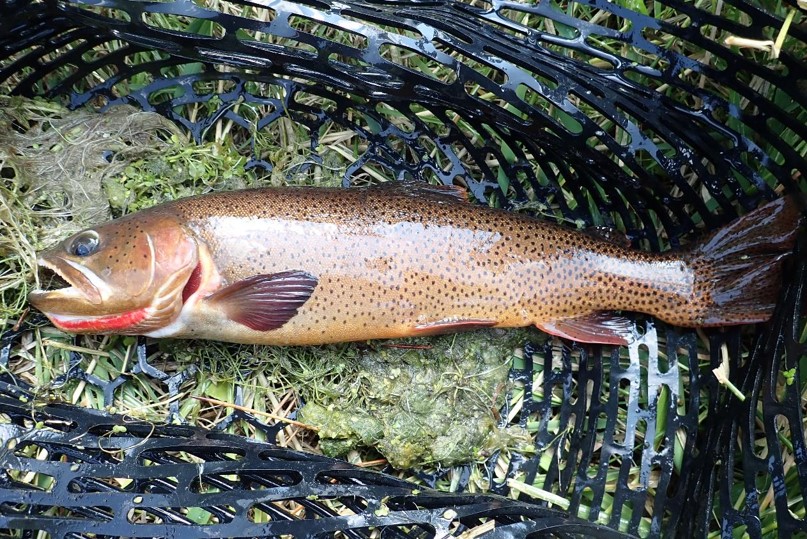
133 282
300 266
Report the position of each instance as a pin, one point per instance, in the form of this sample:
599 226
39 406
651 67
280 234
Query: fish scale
299 266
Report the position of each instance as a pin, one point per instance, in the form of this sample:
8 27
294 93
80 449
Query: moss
419 401
63 157
182 170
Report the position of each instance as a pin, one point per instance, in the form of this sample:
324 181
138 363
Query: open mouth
69 298
50 279
63 281
53 281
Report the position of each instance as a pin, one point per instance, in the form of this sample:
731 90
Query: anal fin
265 302
450 325
595 328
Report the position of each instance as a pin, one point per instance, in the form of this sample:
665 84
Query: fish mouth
51 280
66 287
70 298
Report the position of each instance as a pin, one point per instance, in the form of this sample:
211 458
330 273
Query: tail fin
739 268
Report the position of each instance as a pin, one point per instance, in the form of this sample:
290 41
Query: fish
311 265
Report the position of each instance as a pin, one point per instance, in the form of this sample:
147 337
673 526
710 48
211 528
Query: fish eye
84 244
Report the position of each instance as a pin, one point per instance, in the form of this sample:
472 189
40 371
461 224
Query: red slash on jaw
102 323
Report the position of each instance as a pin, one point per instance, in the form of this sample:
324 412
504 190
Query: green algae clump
420 401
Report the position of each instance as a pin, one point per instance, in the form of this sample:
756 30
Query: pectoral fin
595 328
450 326
265 302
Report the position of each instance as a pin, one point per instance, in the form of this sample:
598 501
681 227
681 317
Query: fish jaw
99 324
82 287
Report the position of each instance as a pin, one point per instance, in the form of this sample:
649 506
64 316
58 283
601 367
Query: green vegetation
423 402
68 170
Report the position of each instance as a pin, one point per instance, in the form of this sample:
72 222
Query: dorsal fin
418 189
611 235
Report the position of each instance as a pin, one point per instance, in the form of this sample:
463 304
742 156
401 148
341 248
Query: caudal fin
739 268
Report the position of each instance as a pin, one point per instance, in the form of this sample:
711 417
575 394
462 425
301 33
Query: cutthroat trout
303 266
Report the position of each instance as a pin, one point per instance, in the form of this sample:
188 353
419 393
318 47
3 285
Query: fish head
126 276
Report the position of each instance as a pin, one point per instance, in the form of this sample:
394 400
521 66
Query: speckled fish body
301 266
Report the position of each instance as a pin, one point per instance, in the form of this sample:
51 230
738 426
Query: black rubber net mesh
176 473
647 142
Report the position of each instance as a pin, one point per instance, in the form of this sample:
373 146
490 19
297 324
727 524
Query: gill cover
126 275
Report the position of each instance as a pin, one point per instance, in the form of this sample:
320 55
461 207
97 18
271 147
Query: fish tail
738 269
